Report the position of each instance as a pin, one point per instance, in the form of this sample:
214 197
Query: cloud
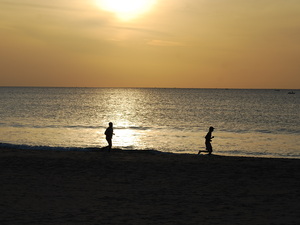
141 30
164 43
34 4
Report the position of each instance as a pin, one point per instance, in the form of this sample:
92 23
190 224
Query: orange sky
166 43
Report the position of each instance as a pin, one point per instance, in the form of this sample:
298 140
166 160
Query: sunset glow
126 9
150 43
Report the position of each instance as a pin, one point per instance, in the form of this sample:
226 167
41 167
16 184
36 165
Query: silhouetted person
208 138
109 132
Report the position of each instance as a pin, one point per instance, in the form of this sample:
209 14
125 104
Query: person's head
211 129
110 124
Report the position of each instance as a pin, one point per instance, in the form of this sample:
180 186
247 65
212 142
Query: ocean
258 123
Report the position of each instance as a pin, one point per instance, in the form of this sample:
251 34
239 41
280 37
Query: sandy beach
146 187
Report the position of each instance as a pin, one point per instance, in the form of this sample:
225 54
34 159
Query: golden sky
150 43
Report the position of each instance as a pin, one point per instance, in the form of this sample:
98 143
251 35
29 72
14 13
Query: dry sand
131 187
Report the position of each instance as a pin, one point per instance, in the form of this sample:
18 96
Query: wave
273 130
16 125
262 131
58 126
53 126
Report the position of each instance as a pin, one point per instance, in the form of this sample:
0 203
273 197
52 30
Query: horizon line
223 88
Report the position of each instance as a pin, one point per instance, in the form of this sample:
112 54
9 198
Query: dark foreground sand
130 187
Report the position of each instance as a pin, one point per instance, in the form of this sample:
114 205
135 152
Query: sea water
262 123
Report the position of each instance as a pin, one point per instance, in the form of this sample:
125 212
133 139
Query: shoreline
103 149
73 152
146 187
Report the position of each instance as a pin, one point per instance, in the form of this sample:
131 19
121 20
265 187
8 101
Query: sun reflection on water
125 138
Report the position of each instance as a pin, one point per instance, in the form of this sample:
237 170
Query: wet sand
146 187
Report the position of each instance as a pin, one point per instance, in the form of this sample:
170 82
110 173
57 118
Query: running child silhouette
208 140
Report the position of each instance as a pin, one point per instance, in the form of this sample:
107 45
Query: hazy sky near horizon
160 43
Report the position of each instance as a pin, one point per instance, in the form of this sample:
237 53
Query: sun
126 9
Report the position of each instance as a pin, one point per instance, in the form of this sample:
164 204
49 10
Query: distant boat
291 93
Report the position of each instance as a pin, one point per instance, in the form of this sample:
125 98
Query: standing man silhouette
109 132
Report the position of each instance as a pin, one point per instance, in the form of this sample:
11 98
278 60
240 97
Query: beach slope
146 187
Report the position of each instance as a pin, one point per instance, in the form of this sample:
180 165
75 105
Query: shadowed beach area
146 187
